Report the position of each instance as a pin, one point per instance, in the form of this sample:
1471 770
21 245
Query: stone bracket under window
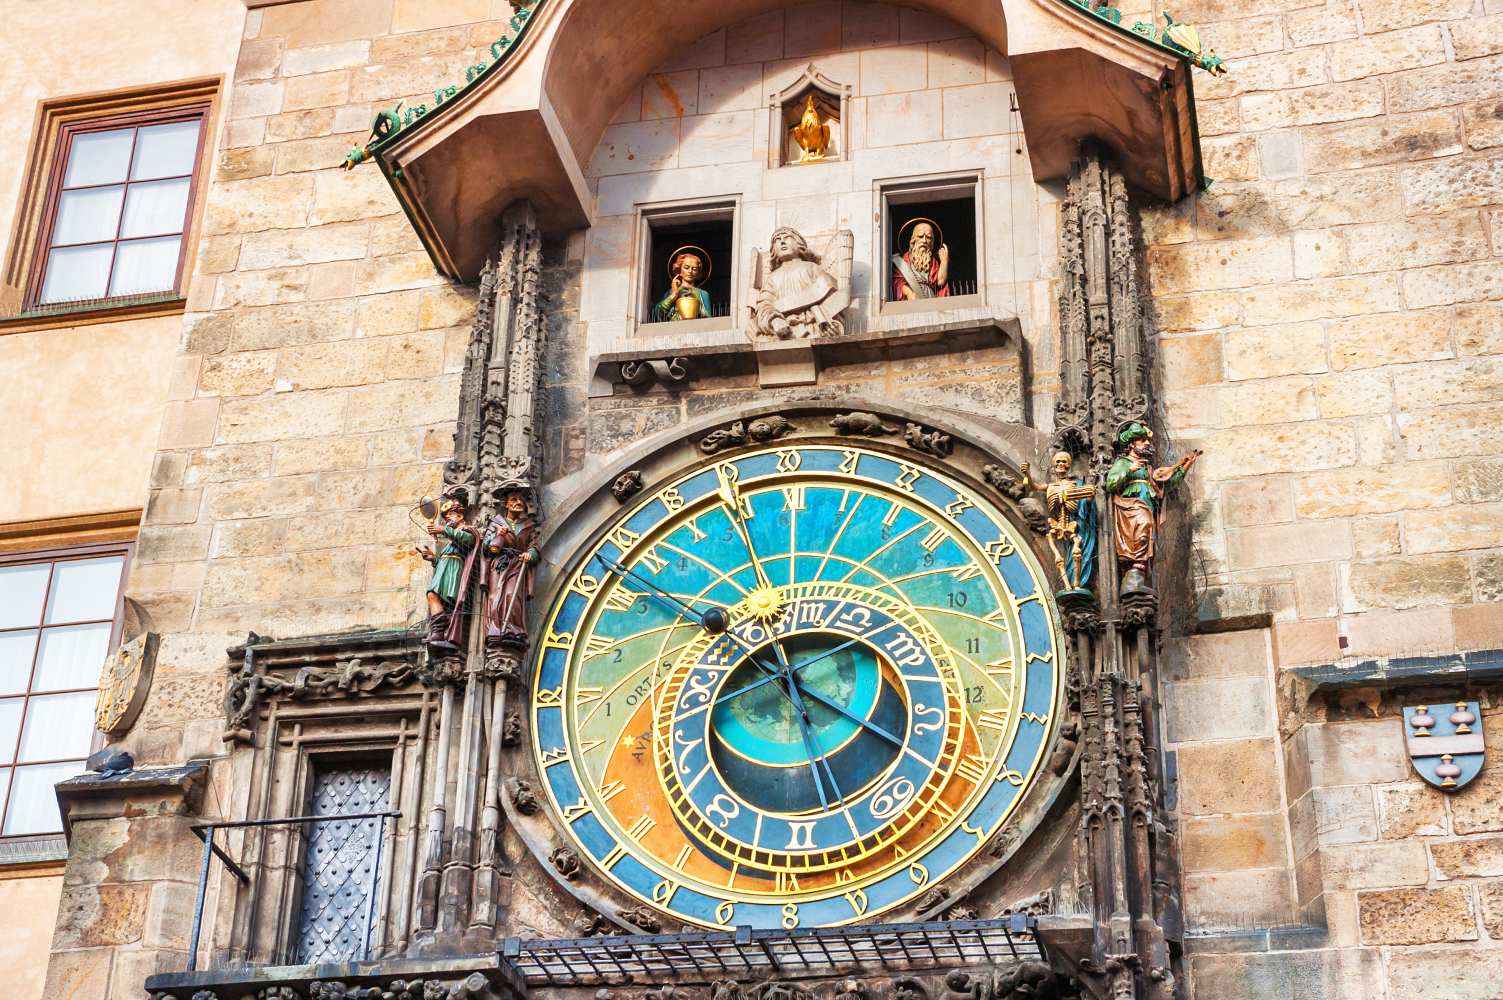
797 362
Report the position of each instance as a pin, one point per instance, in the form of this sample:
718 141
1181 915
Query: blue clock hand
713 620
811 742
788 692
804 663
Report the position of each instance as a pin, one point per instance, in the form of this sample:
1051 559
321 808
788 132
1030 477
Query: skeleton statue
796 294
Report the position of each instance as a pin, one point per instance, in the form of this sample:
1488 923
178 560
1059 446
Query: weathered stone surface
1412 809
1345 492
1392 139
1228 843
1255 897
348 196
1217 709
1332 102
1472 527
1306 642
1271 448
1220 265
1374 866
1446 84
1218 654
1387 52
248 206
1416 916
1471 380
1227 777
1408 581
1285 544
1323 298
262 497
1481 858
1455 431
1261 352
1354 394
1368 341
1347 973
1353 753
1466 973
1266 500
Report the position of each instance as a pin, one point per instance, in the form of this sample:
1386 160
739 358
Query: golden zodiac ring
700 252
939 234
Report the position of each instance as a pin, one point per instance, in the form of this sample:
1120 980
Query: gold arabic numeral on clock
907 476
672 499
793 498
654 562
848 462
857 899
790 916
724 912
586 584
789 460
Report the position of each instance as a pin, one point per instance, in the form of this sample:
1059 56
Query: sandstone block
416 15
447 305
1257 501
319 455
318 90
1369 341
262 288
1455 431
188 424
1273 71
393 234
956 62
671 95
1229 843
1487 576
322 58
1478 526
242 373
1399 633
393 447
259 59
1217 709
351 526
256 537
1332 102
340 363
1327 817
1306 642
91 916
240 164
403 404
1471 380
78 975
1385 15
340 196
1227 777
1357 753
1258 897
415 355
395 273
1478 328
299 125
410 44
1354 394
1394 139
1416 916
1217 654
170 544
890 118
1407 582
172 506
1266 401
1478 626
1271 448
1218 117
1449 185
1349 492
1484 127
1416 242
288 415
1490 895
277 202
1346 973
1477 858
1387 52
256 100
1208 311
1320 25
1325 298
1409 810
286 326
1467 974
1220 265
395 312
1478 480
217 254
1373 866
263 498
233 462
1261 352
329 21
268 579
1319 254
1315 590
1190 361
317 245
1447 84
1286 544
1475 37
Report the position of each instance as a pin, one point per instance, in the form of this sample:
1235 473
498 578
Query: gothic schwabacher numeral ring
795 688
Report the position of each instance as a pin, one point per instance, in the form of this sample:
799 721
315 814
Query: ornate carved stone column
1128 858
461 892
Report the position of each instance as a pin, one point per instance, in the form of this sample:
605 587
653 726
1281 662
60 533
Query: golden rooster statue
812 135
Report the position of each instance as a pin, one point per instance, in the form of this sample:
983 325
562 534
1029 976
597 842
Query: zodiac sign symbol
725 807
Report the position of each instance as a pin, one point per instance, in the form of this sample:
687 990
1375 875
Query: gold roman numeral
934 539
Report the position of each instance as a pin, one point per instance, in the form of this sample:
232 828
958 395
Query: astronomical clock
795 685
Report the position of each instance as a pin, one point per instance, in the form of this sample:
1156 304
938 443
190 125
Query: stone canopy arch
526 125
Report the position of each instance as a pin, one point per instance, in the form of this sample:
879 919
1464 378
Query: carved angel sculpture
797 294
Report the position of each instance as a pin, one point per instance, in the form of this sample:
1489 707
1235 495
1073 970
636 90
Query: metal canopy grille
709 956
340 866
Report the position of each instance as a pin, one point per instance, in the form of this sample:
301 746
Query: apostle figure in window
1138 489
922 270
511 558
688 268
796 293
452 567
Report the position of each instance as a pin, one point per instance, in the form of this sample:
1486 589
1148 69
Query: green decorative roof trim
1175 36
389 124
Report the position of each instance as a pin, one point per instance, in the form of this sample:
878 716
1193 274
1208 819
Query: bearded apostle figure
796 293
1138 490
511 558
921 271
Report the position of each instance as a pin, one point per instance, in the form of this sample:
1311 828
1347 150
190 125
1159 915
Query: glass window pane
84 590
98 158
165 150
21 591
10 728
71 657
16 651
58 726
33 803
155 209
146 266
87 216
75 273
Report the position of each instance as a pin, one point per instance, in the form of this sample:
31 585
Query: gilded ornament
124 683
811 134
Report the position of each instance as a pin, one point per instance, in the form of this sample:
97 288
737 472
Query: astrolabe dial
797 687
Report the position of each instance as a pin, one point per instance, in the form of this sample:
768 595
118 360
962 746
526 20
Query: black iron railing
206 833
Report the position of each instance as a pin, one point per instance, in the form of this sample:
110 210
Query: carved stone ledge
99 796
793 362
473 977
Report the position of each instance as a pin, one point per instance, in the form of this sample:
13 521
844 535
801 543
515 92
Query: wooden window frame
53 556
57 122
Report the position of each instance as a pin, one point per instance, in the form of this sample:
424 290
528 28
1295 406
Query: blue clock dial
796 687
